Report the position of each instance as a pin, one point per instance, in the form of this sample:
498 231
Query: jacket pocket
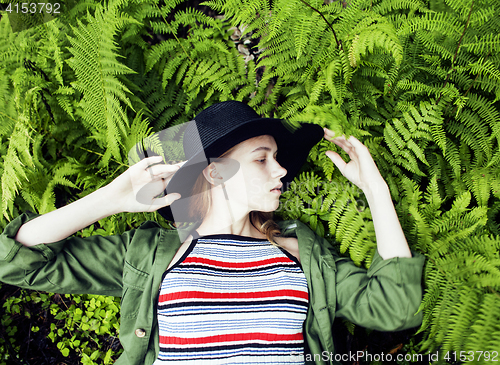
134 282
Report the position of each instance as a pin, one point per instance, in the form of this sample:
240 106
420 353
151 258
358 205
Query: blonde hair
201 202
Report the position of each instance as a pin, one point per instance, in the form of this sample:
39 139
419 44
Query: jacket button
140 332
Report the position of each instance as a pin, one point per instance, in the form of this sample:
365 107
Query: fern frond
13 173
95 64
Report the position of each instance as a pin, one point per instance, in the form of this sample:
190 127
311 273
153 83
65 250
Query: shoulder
291 244
299 230
296 236
291 226
312 246
146 238
149 224
151 242
146 234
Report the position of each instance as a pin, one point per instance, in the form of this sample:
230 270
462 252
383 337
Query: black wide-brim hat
222 126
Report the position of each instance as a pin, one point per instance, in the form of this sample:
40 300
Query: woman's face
256 185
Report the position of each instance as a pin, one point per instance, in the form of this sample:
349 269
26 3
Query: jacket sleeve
385 297
91 265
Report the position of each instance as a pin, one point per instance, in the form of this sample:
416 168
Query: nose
278 170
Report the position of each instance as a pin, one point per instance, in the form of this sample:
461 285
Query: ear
211 174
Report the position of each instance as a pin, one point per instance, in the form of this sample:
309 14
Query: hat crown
213 123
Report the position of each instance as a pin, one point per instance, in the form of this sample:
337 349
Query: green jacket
384 297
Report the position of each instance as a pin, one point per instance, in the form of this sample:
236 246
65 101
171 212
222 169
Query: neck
213 224
228 217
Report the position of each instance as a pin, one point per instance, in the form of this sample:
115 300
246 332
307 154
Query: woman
239 288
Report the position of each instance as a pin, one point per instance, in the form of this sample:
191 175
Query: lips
277 187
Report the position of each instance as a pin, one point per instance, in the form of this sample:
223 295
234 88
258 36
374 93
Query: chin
269 207
264 204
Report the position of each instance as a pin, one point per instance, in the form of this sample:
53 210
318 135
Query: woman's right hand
135 189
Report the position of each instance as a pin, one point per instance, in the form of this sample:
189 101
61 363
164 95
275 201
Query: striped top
232 300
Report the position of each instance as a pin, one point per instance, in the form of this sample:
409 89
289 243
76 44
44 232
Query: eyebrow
262 148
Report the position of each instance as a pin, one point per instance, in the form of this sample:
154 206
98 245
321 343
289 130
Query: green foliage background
417 81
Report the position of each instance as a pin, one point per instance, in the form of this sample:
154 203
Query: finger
144 163
330 136
339 140
164 179
328 133
336 159
359 146
168 173
343 143
355 142
352 146
167 200
163 170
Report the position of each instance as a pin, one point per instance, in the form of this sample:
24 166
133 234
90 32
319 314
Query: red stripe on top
255 336
250 295
239 265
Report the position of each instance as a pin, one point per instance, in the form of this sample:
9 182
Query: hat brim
293 147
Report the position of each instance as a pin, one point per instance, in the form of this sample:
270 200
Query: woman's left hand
361 170
363 173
